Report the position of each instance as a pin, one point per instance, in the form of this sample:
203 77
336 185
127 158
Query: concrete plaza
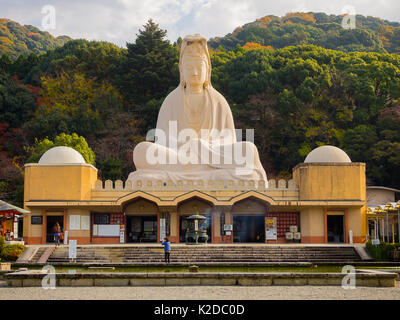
203 293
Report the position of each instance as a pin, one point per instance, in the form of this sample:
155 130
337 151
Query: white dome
327 154
61 155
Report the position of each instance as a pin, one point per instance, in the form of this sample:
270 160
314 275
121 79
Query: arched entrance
249 220
142 218
192 206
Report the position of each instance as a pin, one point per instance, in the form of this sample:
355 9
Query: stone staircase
38 254
145 255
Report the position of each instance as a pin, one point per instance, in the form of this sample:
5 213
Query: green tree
74 141
5 62
86 102
111 169
151 66
17 103
93 59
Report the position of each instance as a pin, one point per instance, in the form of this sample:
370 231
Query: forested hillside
296 98
16 39
370 34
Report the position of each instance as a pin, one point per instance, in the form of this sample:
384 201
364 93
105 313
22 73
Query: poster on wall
122 234
271 229
85 223
74 222
108 230
163 232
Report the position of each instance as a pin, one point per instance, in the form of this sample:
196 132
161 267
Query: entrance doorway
141 229
20 228
51 222
183 226
248 228
335 228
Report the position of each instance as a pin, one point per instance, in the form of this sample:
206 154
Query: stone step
38 254
225 259
207 254
215 253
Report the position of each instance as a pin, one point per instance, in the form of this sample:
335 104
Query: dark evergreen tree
5 62
151 66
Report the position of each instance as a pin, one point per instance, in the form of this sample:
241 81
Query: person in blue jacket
167 249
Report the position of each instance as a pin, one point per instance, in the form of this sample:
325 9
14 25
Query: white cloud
118 21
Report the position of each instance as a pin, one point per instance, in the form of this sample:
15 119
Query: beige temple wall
173 227
312 225
32 233
250 206
59 182
192 206
356 220
331 181
379 196
141 207
326 181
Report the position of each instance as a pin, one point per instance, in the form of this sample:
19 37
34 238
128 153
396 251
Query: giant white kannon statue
195 138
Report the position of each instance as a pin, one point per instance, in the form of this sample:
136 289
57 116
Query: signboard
65 237
271 229
375 242
72 249
36 219
163 231
85 223
74 222
228 227
108 230
122 234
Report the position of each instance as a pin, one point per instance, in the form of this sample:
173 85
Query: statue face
194 70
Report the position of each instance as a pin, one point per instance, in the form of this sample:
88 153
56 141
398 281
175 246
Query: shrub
382 251
2 243
12 252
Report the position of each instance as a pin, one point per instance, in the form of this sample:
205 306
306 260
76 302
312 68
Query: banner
271 228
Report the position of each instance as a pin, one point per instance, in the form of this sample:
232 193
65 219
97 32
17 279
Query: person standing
167 249
57 233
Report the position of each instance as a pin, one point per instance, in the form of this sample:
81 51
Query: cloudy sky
118 21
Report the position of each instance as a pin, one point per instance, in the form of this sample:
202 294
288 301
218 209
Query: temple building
196 165
325 200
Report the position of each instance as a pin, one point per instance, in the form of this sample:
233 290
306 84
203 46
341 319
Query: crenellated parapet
244 185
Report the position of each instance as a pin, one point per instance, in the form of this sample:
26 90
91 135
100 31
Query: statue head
194 62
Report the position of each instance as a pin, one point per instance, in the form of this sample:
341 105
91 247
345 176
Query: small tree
112 169
74 141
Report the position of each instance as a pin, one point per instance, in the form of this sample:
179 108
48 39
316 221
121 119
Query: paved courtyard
204 292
